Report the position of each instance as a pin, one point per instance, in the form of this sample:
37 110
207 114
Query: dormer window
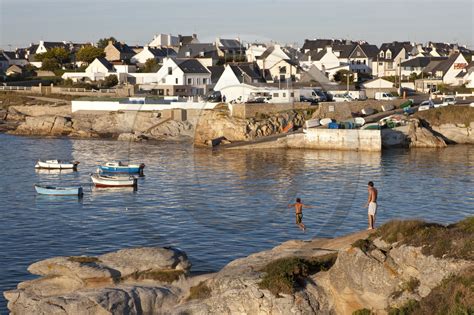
389 55
382 54
188 54
201 54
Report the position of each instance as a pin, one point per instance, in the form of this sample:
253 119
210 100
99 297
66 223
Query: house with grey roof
230 49
448 69
206 53
187 39
117 51
14 58
237 73
156 53
417 65
389 58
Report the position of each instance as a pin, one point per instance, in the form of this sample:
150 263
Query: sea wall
251 110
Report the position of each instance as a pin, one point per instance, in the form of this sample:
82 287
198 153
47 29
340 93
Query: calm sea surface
215 205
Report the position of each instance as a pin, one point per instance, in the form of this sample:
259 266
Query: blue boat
122 168
59 191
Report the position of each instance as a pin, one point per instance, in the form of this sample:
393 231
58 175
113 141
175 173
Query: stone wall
251 110
344 110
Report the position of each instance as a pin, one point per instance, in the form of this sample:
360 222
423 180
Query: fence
14 88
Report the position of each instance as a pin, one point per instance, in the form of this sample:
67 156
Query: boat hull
56 165
101 181
122 169
59 191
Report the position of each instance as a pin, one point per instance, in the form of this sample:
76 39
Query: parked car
425 105
214 97
342 98
322 96
384 96
448 100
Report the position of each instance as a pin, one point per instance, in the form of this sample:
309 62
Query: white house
99 69
378 83
152 53
254 51
449 69
389 59
323 59
271 56
164 40
235 74
283 70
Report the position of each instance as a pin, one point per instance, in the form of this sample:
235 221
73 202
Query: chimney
195 36
329 49
110 42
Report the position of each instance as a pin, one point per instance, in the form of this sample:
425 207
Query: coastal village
330 83
228 94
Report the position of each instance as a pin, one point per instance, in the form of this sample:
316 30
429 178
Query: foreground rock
374 271
413 135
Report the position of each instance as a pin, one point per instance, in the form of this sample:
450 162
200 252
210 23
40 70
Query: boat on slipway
122 168
106 181
56 165
59 191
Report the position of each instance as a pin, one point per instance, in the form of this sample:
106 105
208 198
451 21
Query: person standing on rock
371 204
299 212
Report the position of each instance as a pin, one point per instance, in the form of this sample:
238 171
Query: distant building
155 53
164 40
206 53
116 51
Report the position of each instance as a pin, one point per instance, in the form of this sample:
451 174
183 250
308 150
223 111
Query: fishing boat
57 165
58 191
123 168
103 181
311 123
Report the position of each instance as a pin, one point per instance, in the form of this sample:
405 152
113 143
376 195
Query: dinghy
57 165
122 168
105 181
58 191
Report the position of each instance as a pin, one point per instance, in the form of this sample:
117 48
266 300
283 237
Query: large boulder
421 137
45 126
216 124
129 261
457 133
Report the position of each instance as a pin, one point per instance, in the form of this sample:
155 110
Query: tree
110 81
341 76
151 65
49 64
57 55
89 53
103 42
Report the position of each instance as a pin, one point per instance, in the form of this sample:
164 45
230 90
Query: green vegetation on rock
454 241
366 245
363 311
167 276
447 115
199 292
83 259
285 275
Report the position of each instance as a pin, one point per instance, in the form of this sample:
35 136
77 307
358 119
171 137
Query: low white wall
337 139
116 106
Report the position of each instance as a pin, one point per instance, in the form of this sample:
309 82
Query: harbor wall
111 106
251 110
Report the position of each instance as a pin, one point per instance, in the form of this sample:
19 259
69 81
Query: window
176 80
275 94
198 81
190 81
358 62
188 54
292 94
163 80
390 65
204 81
389 55
284 94
170 70
363 61
382 54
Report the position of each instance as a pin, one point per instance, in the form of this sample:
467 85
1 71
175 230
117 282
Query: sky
286 21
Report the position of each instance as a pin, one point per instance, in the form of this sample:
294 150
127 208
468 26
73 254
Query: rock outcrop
456 133
376 276
45 126
413 135
101 285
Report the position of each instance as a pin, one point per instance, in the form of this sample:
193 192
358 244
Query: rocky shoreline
204 127
402 263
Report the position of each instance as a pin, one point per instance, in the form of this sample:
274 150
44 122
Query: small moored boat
123 168
59 191
57 165
102 181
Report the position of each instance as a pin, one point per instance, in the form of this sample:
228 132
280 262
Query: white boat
102 181
325 121
311 123
57 165
359 121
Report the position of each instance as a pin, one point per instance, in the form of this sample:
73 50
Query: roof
444 65
187 39
2 58
216 72
420 62
229 44
106 63
191 66
49 45
395 48
322 43
345 51
315 55
123 48
10 54
370 51
198 50
245 69
32 49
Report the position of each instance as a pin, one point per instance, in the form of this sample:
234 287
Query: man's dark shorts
299 218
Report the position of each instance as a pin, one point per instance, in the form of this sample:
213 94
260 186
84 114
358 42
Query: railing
84 90
15 88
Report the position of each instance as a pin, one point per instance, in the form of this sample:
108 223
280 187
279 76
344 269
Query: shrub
167 276
407 309
200 291
285 275
363 311
455 240
83 259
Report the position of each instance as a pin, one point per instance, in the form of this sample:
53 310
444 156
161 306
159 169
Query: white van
384 96
342 98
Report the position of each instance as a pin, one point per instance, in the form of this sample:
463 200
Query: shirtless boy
299 212
371 204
